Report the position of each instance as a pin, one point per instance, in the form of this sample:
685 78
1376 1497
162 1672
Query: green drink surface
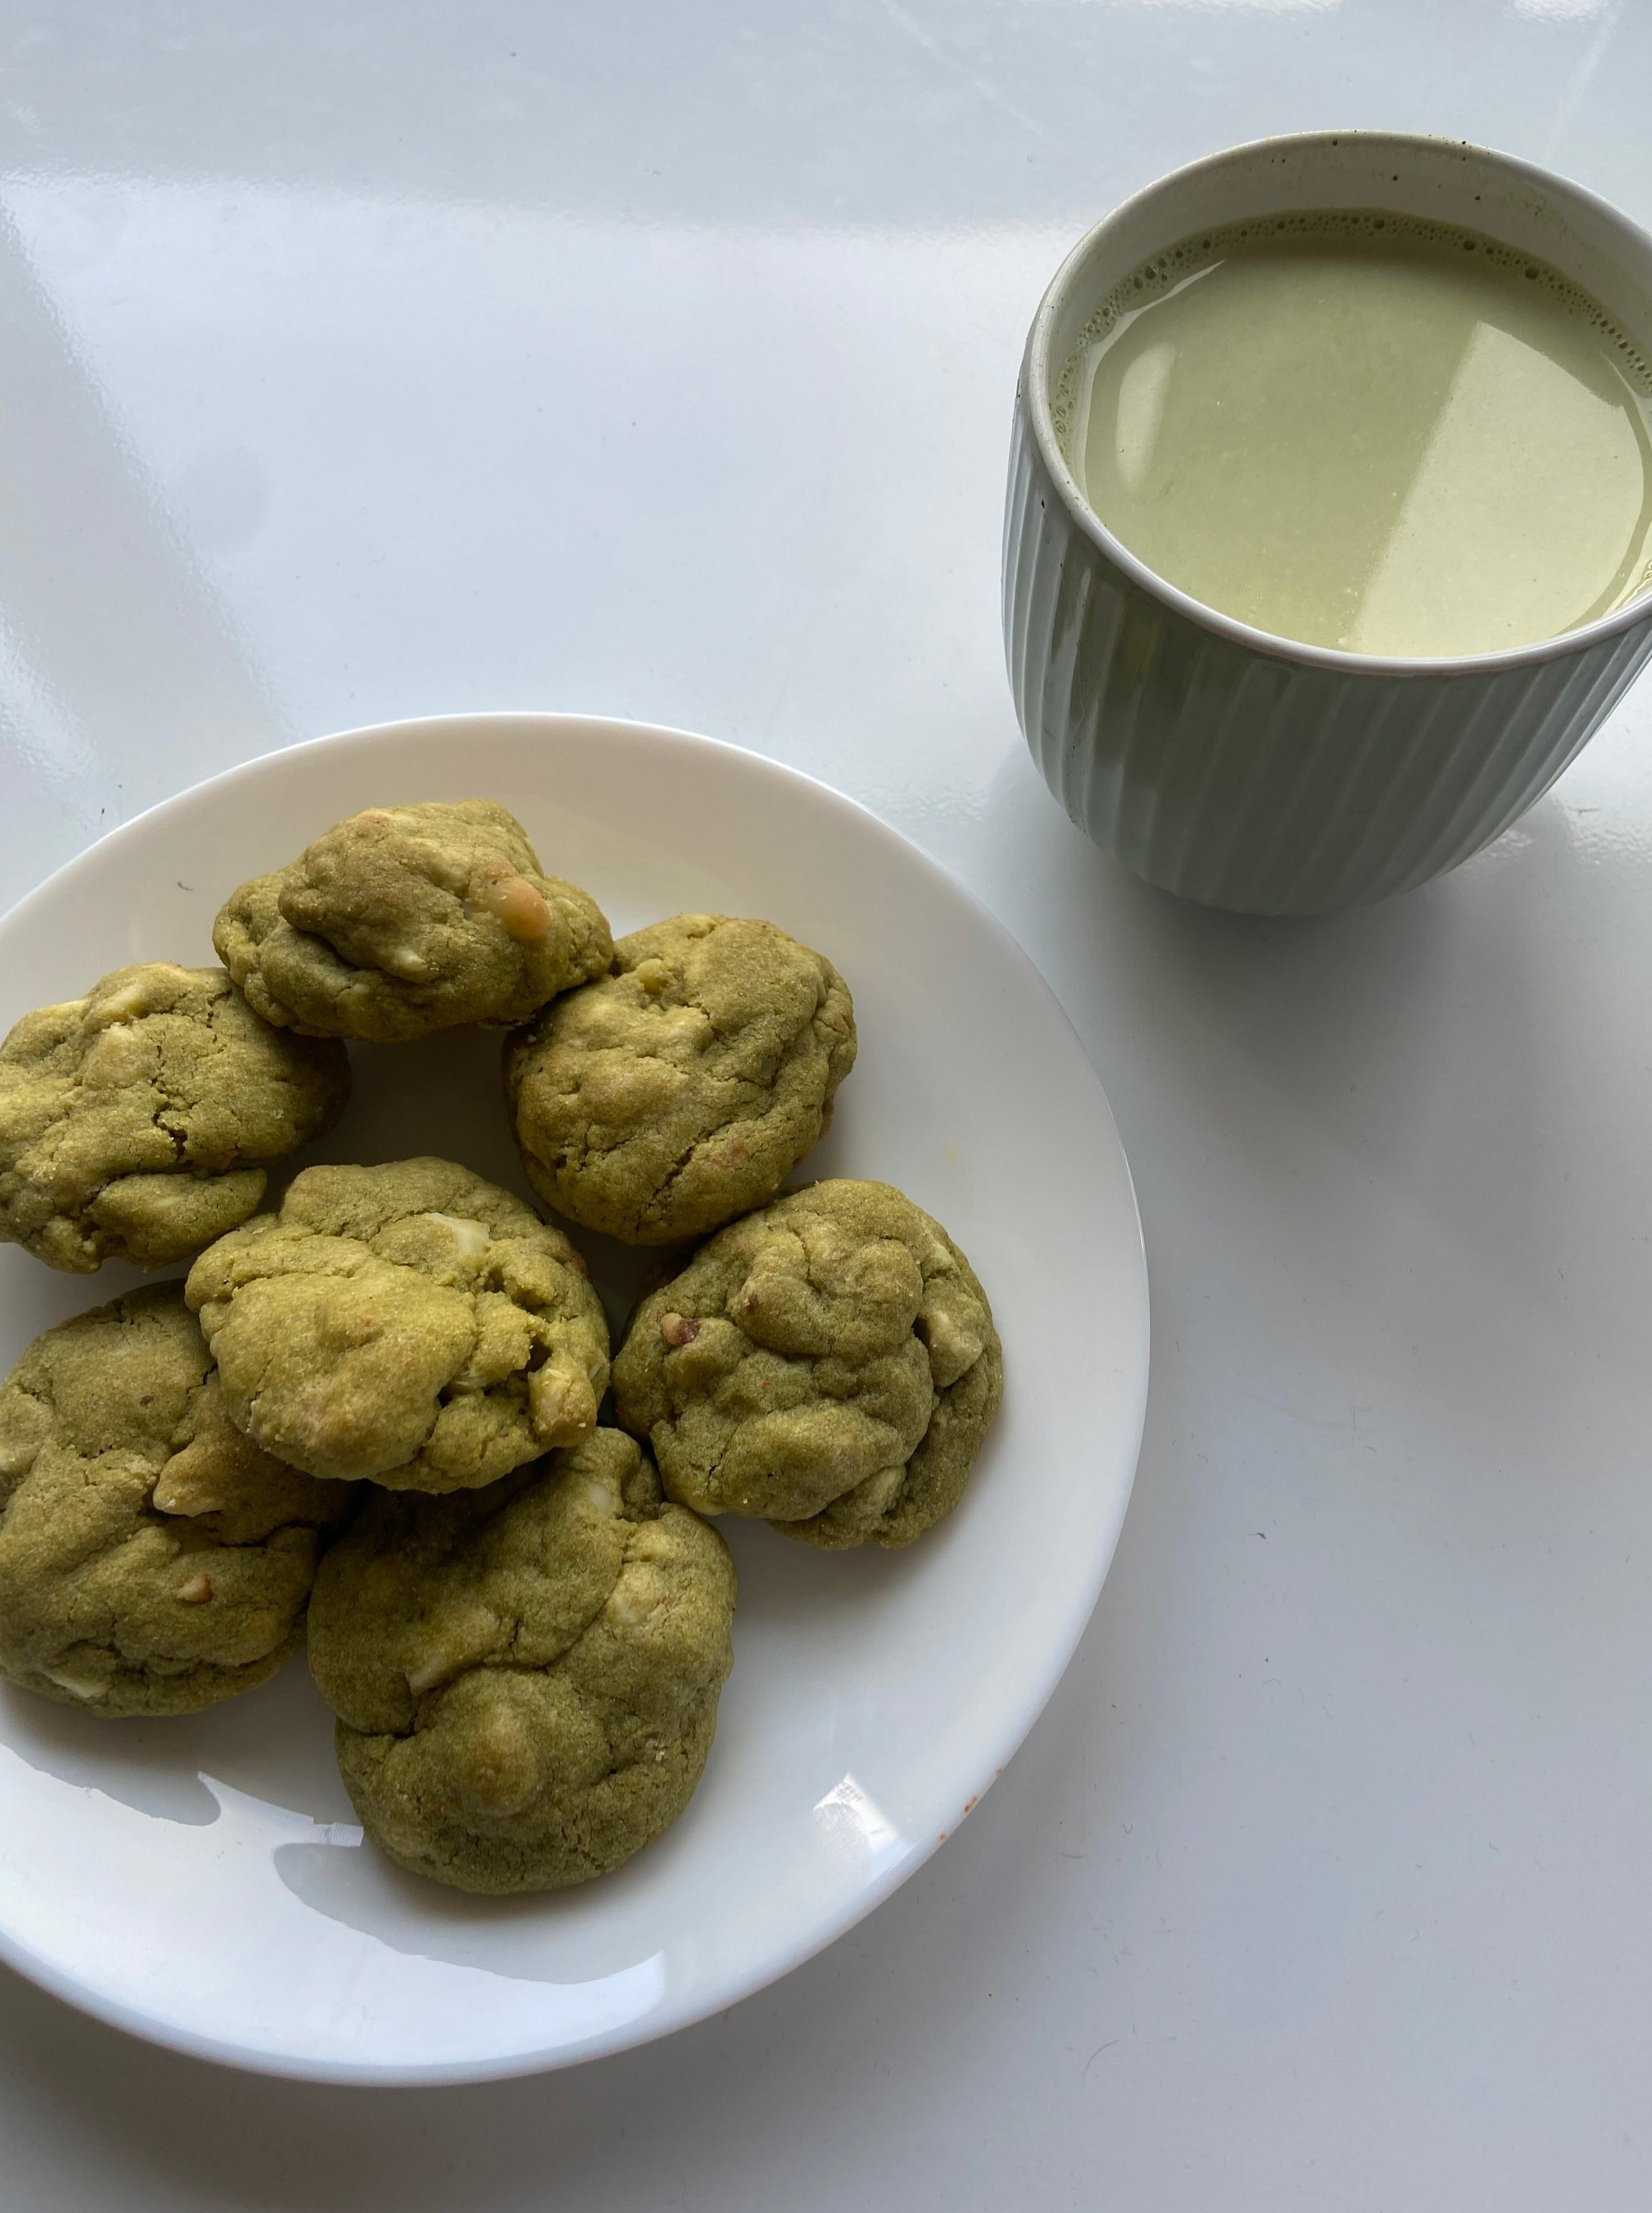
1368 431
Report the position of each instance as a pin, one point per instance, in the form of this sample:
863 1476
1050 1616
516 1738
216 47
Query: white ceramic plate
202 1881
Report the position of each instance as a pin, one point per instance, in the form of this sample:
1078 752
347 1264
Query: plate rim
714 1997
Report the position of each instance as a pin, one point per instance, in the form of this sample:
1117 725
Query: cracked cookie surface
683 1087
152 1560
525 1678
135 1122
829 1362
409 1323
404 920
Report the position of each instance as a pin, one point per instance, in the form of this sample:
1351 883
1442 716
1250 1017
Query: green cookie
682 1089
152 1561
404 920
830 1363
409 1323
525 1678
135 1124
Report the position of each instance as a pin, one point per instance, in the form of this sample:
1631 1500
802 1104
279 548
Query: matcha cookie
829 1362
408 919
409 1323
152 1561
683 1087
135 1122
525 1678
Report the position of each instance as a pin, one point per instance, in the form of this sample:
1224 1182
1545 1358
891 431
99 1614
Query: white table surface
359 361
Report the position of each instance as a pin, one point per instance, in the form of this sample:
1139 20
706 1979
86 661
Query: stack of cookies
382 1417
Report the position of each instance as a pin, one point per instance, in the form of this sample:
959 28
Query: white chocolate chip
631 1603
561 1404
79 1686
430 1671
156 988
122 1006
472 1238
519 906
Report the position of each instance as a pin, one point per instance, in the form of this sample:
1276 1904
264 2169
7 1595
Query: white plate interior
202 1881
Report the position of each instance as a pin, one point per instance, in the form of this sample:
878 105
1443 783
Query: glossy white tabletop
364 361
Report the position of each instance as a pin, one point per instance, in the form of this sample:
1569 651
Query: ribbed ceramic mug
1243 770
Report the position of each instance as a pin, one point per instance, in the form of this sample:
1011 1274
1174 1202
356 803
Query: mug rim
1036 393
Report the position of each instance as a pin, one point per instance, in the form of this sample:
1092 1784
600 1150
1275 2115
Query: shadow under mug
1246 771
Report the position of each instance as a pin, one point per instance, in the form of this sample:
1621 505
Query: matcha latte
1368 431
